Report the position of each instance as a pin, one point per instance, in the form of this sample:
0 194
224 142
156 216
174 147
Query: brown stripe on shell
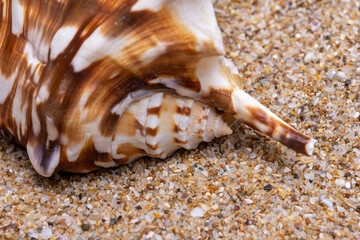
108 124
152 147
221 98
153 111
279 131
292 139
183 110
180 142
177 129
260 116
129 150
86 160
151 131
129 125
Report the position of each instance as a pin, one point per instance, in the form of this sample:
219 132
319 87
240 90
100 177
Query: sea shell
87 84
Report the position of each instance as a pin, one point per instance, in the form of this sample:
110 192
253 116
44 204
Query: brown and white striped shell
86 84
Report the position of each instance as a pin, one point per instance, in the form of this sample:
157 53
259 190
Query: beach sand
301 59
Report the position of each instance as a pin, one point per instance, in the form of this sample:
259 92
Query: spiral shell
88 84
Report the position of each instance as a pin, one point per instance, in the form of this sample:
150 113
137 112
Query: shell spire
245 108
221 87
251 112
155 126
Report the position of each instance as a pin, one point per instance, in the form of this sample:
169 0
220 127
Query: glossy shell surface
87 84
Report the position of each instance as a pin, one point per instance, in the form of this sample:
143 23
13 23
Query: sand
299 58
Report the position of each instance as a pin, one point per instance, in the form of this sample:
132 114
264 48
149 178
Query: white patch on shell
209 128
19 111
84 98
73 151
152 121
18 13
6 86
102 144
156 100
208 70
183 121
309 147
154 52
96 47
153 5
24 118
199 18
61 40
35 120
142 113
52 131
43 95
177 118
229 64
36 76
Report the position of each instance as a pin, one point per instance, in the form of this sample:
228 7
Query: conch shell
87 84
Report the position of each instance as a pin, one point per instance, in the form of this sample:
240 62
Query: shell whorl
154 126
76 74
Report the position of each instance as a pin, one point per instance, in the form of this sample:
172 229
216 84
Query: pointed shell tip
309 147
